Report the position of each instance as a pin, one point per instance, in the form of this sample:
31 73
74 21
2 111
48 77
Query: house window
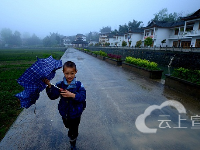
175 43
199 25
197 43
176 32
151 32
185 44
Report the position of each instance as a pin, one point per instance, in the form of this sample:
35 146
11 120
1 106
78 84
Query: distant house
112 39
163 30
134 35
80 41
103 37
66 41
192 29
119 39
184 33
93 42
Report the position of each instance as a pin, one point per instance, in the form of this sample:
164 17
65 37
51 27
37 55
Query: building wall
161 34
112 41
182 59
135 37
119 40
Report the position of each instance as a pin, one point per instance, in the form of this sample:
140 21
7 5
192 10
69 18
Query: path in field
115 98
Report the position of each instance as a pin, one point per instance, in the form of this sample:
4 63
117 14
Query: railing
193 32
178 49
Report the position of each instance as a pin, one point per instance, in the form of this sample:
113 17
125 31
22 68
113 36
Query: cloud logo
140 121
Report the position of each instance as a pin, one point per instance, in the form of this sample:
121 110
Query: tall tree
92 36
33 40
54 39
6 35
123 29
115 32
163 15
105 29
135 24
16 39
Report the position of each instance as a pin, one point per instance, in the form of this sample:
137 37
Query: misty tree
16 39
6 35
54 39
163 15
126 28
92 36
72 38
12 39
135 24
105 29
123 29
115 32
33 40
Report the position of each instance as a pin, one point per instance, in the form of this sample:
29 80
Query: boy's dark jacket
69 107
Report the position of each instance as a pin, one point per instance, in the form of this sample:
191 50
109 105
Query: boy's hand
47 82
66 93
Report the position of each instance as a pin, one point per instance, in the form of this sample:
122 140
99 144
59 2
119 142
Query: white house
185 33
163 30
192 29
80 41
112 39
134 35
66 41
103 38
119 39
81 36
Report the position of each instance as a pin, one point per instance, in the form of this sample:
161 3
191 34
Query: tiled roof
80 35
165 24
111 35
119 34
136 30
193 16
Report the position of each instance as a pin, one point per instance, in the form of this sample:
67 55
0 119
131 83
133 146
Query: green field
13 63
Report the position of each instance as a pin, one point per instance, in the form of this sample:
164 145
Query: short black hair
69 64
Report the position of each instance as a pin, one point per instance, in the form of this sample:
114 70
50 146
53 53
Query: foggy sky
69 17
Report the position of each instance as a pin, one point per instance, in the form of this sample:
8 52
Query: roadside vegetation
13 63
187 74
143 63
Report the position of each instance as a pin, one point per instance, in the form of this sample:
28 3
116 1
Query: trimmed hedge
187 74
143 63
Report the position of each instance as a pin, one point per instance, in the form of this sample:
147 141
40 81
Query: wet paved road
115 98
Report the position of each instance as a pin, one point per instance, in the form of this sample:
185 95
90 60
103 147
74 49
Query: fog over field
68 17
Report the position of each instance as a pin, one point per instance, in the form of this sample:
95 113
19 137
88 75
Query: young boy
72 102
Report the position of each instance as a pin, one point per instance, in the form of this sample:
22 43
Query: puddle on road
191 104
80 58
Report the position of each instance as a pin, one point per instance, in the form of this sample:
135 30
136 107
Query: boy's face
69 73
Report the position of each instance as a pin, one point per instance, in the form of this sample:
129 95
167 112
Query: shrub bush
113 56
124 43
101 53
187 74
142 63
87 50
138 43
95 52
